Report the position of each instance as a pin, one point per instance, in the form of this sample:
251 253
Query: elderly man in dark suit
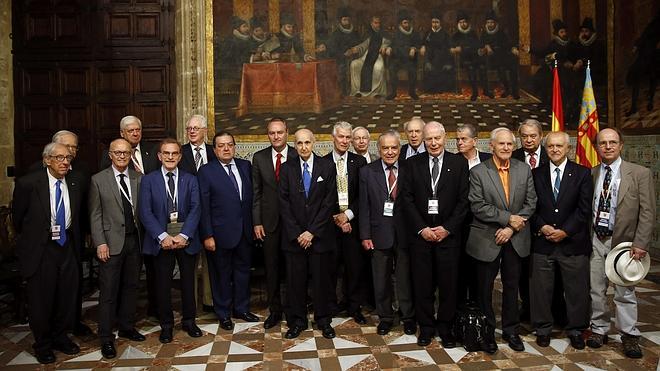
115 228
560 241
383 232
308 195
266 168
623 210
345 212
435 203
226 194
170 211
194 155
414 133
502 199
46 215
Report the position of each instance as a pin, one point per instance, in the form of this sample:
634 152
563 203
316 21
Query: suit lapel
513 177
625 174
134 189
110 176
380 175
566 178
43 192
445 173
497 182
74 194
182 192
315 174
268 165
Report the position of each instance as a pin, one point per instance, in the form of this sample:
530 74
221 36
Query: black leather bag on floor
470 327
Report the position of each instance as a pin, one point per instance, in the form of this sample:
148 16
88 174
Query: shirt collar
284 152
336 156
537 153
395 165
440 156
614 166
561 166
310 161
165 171
232 163
501 166
52 180
117 172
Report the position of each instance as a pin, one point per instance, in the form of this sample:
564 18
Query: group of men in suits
417 213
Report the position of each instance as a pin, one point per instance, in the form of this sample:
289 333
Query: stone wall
6 104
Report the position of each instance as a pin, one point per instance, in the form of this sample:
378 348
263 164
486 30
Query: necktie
555 189
307 178
136 163
124 187
129 223
198 157
342 181
60 217
233 178
434 173
604 204
278 164
391 180
532 160
171 195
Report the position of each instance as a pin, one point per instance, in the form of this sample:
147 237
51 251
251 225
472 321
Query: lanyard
121 189
174 197
390 189
434 183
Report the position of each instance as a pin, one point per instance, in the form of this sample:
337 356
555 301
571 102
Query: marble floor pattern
250 347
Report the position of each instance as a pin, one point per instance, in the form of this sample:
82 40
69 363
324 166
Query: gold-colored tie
342 181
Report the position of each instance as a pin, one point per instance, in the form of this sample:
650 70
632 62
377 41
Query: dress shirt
164 172
237 175
137 152
284 153
537 155
553 174
614 189
395 167
367 157
503 172
53 201
310 165
411 151
202 152
472 162
440 160
127 180
335 157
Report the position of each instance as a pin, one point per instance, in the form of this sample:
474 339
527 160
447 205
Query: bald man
308 196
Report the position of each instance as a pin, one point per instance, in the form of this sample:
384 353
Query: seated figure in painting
501 55
258 38
439 73
466 44
405 47
236 49
288 45
339 44
368 69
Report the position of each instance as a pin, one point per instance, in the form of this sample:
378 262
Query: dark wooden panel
39 118
75 81
118 26
75 117
109 114
38 82
113 80
151 80
154 116
147 26
40 27
68 27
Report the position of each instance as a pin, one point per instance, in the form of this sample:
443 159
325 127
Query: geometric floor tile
204 350
134 353
312 364
347 362
24 358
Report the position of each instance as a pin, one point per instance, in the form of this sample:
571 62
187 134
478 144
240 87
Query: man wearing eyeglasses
70 140
170 210
143 159
46 210
115 227
226 225
194 155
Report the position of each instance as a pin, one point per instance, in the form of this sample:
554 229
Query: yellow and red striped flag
585 151
557 110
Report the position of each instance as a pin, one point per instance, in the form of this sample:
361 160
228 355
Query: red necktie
391 179
278 164
532 160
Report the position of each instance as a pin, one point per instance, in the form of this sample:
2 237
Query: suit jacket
404 150
452 195
188 160
491 212
149 152
384 231
353 162
155 216
31 216
265 205
313 213
106 209
483 156
635 207
570 213
224 215
519 154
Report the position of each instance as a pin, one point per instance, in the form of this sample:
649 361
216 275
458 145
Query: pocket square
320 179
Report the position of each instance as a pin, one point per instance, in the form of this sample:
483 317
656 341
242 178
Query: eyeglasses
121 153
61 158
170 154
194 128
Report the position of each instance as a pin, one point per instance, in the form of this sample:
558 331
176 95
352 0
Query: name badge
604 215
433 206
343 198
174 216
388 208
55 232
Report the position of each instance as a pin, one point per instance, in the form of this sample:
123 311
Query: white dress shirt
202 152
537 155
52 181
310 165
553 173
613 189
434 182
138 155
164 172
474 161
237 175
284 153
411 151
126 180
395 168
336 156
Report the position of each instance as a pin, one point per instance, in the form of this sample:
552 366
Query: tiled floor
356 347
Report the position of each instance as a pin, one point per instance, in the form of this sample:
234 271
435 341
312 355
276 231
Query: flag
585 151
557 111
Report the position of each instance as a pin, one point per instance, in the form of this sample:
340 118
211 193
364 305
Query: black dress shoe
247 317
192 330
448 341
327 331
67 347
131 334
272 320
409 327
82 329
515 342
226 323
358 317
543 340
294 332
383 328
577 341
165 335
46 357
108 350
424 340
488 345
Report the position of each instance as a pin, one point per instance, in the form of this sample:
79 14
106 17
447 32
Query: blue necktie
555 190
233 178
60 218
307 178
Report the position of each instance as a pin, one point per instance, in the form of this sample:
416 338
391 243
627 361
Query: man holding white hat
624 211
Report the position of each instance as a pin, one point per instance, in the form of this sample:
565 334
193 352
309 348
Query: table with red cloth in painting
288 87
